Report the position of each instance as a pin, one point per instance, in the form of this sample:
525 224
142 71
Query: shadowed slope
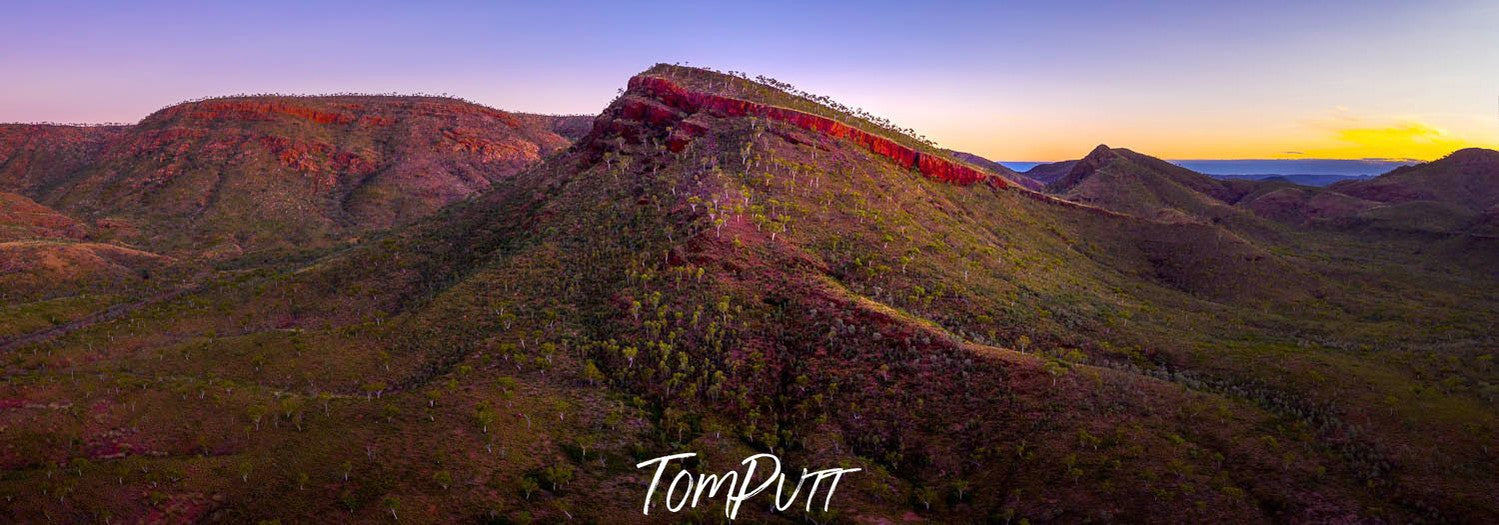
1468 178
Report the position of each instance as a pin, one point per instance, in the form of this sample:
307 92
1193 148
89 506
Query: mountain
726 266
1128 182
1293 204
273 172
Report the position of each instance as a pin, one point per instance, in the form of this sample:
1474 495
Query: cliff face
659 101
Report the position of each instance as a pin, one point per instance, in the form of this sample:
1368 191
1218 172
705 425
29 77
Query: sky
1028 81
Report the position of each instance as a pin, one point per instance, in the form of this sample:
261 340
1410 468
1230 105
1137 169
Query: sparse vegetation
983 353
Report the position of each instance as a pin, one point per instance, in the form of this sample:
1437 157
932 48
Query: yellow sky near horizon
1341 136
1012 81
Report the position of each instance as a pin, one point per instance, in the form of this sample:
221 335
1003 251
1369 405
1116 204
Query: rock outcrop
659 101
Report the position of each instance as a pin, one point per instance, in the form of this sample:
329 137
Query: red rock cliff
675 97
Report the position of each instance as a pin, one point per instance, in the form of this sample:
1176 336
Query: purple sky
1030 81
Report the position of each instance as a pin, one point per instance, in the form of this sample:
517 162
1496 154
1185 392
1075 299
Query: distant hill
1129 182
1455 194
253 173
38 158
1452 195
1334 167
1050 172
1467 178
1308 172
1295 178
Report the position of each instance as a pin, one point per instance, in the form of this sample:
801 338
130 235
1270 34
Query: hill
1316 180
22 218
1141 185
726 267
1452 195
1049 173
1467 178
36 158
255 173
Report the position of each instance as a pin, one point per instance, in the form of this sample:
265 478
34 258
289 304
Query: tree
258 412
585 441
630 352
557 475
591 373
926 495
391 503
961 488
443 479
244 468
528 485
485 416
292 406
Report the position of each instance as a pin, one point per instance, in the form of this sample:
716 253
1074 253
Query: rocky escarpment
661 102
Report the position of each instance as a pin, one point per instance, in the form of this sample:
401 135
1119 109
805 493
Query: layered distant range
1307 172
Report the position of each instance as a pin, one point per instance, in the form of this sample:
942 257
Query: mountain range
353 308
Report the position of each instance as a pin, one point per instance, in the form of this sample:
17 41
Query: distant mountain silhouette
1294 178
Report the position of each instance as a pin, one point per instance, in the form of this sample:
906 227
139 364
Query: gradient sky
1024 81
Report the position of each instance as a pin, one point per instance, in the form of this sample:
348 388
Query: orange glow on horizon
1350 139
